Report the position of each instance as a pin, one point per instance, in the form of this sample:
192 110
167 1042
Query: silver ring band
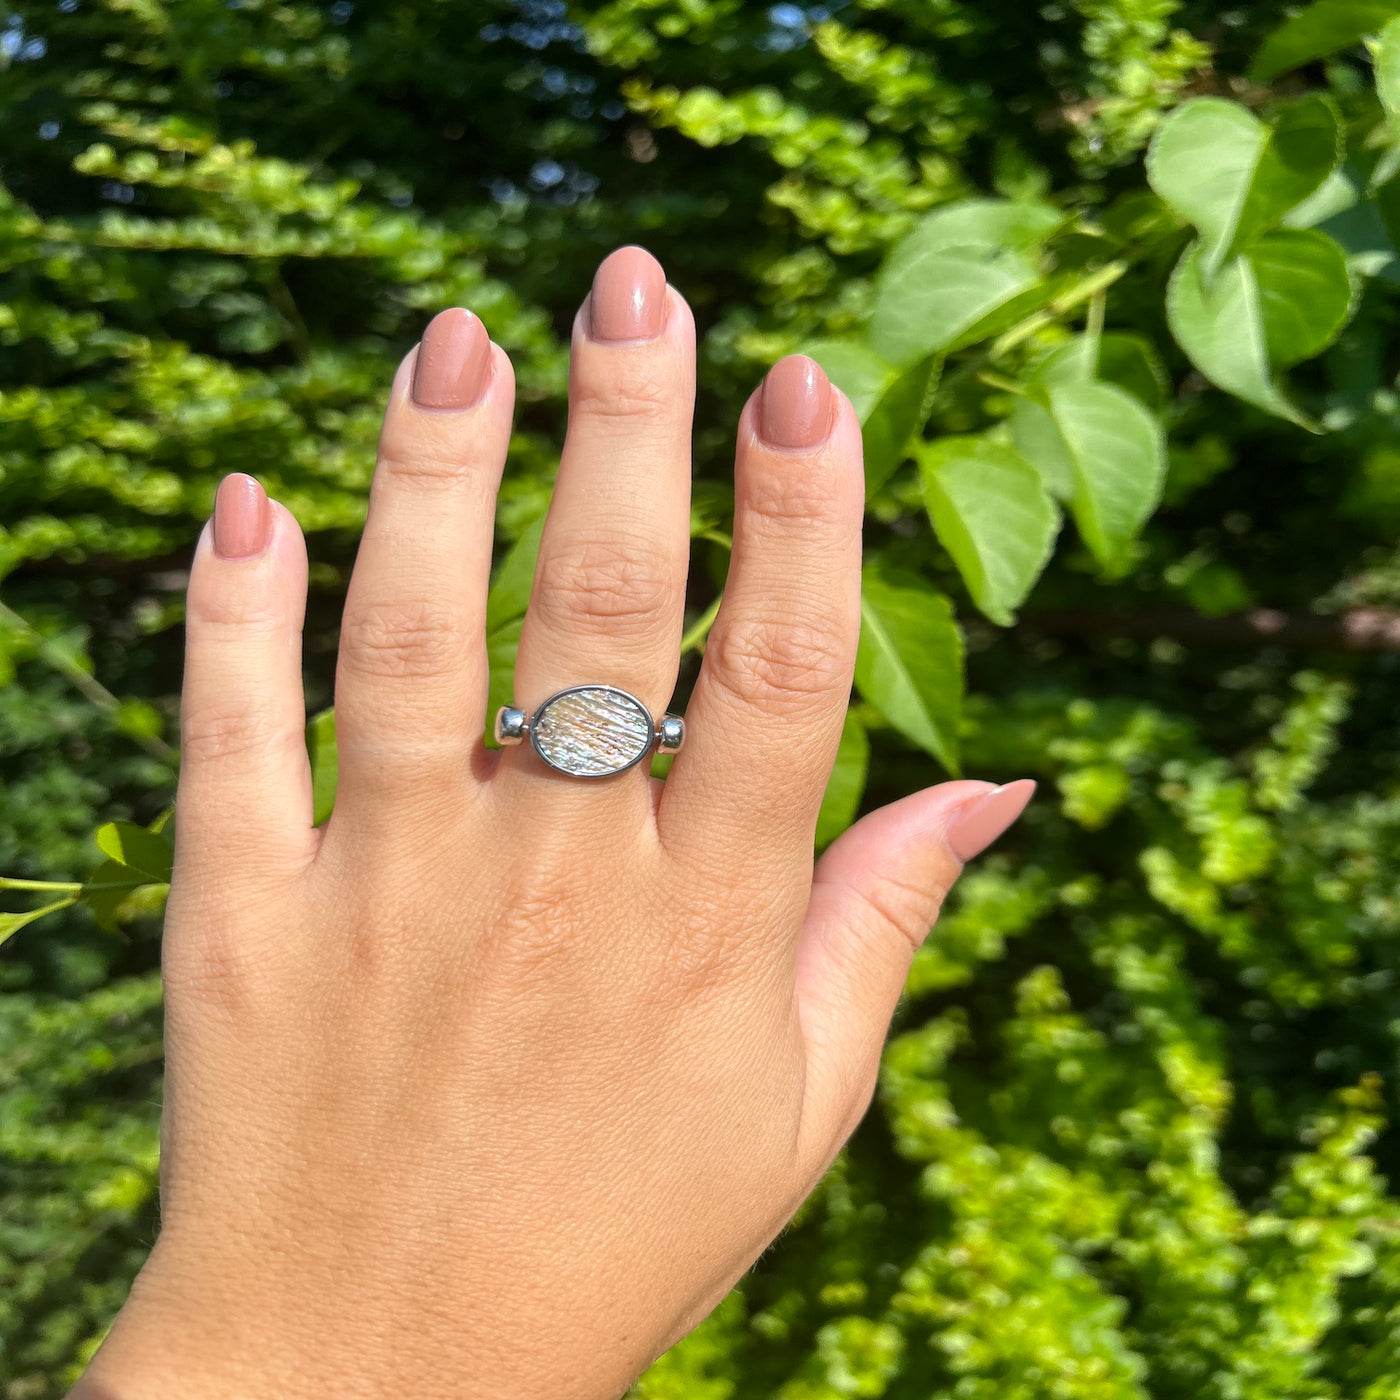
591 731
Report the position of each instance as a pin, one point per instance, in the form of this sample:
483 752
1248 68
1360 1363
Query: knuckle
221 732
637 393
604 582
780 498
907 907
402 640
426 467
779 666
221 612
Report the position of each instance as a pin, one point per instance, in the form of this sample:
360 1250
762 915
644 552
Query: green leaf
1385 55
1336 194
909 662
1321 29
891 405
109 888
510 590
1221 329
1343 212
501 646
991 512
10 924
855 369
1130 361
321 746
1100 449
144 851
925 304
1305 293
1234 177
846 786
979 223
139 719
896 420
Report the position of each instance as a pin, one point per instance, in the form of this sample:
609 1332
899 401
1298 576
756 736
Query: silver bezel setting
574 690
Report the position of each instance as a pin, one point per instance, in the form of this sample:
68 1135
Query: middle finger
607 605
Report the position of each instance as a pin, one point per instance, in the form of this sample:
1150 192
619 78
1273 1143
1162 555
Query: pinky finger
244 794
876 892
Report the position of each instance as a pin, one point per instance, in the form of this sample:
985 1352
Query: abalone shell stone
591 732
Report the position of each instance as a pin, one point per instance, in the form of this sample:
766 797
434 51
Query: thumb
876 893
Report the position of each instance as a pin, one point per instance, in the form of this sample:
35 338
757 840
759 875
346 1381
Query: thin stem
13 882
1098 311
694 639
88 685
1081 292
996 381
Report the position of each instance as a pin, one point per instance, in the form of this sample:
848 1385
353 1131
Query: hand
497 1082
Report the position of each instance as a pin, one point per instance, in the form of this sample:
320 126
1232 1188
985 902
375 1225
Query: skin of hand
496 1083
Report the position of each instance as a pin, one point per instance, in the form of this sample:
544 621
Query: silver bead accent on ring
511 725
591 731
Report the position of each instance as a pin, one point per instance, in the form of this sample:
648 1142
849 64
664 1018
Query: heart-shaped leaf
991 512
1235 177
1305 293
1222 326
909 662
1100 449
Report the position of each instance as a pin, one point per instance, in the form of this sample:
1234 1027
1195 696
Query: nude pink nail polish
974 827
628 300
453 361
795 404
242 517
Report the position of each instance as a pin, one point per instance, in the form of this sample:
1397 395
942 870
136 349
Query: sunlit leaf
841 801
145 852
924 303
991 512
909 664
321 747
1221 328
1234 176
501 646
510 589
889 402
10 924
1102 451
1321 29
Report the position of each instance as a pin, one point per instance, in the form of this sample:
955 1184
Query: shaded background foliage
1133 1136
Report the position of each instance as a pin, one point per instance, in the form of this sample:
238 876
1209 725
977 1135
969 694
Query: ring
591 731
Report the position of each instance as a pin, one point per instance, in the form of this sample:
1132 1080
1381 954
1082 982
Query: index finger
764 722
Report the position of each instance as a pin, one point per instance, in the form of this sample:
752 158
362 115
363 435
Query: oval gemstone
592 731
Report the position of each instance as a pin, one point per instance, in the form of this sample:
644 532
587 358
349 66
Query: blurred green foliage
1134 1133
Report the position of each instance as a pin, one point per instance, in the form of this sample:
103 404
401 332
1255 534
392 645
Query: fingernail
795 403
242 517
453 360
974 827
628 301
